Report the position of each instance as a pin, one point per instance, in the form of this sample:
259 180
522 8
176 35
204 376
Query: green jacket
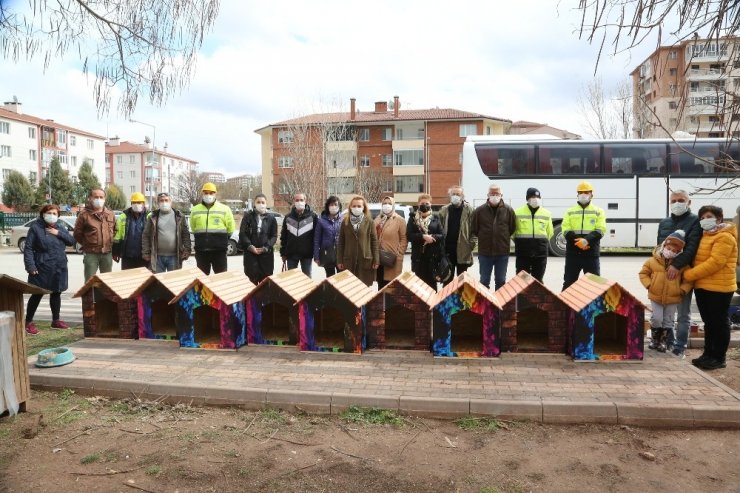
466 240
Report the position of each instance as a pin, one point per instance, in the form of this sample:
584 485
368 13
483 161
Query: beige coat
393 239
358 252
465 240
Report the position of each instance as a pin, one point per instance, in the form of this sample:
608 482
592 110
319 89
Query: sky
264 62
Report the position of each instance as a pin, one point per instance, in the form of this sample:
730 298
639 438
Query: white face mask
137 207
455 199
534 202
708 224
679 208
494 199
669 253
357 211
299 205
98 203
165 206
333 210
584 198
208 199
386 208
50 218
261 208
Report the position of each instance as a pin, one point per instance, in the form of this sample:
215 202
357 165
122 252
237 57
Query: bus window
642 159
569 158
506 159
694 158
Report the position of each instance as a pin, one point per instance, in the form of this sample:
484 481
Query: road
621 269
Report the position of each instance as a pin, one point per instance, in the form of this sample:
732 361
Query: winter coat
296 237
357 251
326 234
45 253
465 240
583 221
129 232
95 230
493 226
689 223
660 289
149 239
715 261
257 267
392 239
420 253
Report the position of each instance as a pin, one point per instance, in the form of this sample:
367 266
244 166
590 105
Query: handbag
442 269
328 256
388 259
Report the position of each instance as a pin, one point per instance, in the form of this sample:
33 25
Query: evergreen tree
86 181
114 198
61 186
17 191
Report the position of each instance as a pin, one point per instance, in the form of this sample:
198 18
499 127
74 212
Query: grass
734 354
66 394
475 424
152 470
371 416
89 459
272 416
49 338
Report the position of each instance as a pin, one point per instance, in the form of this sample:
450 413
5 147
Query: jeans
495 263
681 339
713 308
165 263
574 264
94 261
305 264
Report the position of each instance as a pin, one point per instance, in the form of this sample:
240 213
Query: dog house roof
294 282
123 283
587 288
175 280
459 282
349 286
516 286
416 285
9 282
230 286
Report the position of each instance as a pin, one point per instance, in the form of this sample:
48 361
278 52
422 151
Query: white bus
632 179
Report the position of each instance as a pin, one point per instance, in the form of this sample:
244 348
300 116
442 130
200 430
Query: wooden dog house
214 310
115 311
332 317
157 318
533 318
399 315
465 320
272 310
605 321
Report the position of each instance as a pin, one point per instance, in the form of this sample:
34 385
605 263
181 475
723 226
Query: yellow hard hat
584 186
209 187
137 197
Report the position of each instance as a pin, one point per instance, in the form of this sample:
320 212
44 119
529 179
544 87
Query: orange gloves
582 243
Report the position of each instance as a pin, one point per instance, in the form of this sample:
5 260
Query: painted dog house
399 315
533 318
605 321
272 310
157 319
214 310
465 320
113 311
332 317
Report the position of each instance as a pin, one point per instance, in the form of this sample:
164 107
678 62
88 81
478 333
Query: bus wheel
557 242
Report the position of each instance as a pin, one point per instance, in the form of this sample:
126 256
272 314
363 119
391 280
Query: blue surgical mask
50 218
708 224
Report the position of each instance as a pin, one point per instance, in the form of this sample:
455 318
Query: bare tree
189 187
607 116
371 184
136 46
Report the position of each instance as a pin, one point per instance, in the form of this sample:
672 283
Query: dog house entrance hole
531 330
329 326
163 319
206 325
467 332
610 334
106 318
275 322
400 329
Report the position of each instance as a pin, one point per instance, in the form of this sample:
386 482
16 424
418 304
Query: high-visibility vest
583 220
533 224
211 226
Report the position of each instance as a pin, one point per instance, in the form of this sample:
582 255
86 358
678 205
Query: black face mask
424 208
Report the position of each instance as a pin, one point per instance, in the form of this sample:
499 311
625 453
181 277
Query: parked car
18 233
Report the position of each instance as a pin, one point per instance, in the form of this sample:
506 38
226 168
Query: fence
10 219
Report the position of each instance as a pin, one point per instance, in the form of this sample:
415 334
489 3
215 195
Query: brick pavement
660 391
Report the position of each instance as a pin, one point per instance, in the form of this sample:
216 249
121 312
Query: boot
654 337
663 341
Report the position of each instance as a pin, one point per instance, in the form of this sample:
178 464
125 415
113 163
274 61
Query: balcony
705 74
707 55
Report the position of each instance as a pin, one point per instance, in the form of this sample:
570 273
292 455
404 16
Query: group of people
695 254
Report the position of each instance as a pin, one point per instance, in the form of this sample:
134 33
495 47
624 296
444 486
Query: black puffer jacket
689 223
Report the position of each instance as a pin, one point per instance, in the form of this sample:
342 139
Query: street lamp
154 143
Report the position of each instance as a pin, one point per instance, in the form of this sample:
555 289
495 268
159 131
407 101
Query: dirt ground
66 442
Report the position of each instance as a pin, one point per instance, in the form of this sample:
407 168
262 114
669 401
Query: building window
672 105
285 162
414 157
283 187
132 173
132 188
468 129
387 185
73 161
5 151
339 185
409 184
31 132
399 134
61 137
387 159
72 140
120 175
32 154
4 128
89 160
62 157
285 136
132 159
693 119
32 177
459 158
673 54
6 173
90 144
388 133
673 72
365 161
119 159
488 130
672 89
364 134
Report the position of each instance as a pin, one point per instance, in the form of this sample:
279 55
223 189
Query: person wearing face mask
681 218
583 226
211 223
129 232
493 224
166 240
45 260
95 228
664 294
297 235
257 237
714 278
424 232
532 235
390 229
457 222
357 248
326 236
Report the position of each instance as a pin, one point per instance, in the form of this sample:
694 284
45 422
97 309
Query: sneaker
698 361
59 324
678 353
31 329
712 364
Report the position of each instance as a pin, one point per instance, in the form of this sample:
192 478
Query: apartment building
386 151
522 127
688 87
215 177
28 144
141 168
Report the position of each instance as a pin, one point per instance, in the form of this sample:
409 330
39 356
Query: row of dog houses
593 319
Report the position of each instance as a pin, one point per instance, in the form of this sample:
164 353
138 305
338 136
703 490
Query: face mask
534 202
708 224
584 198
208 199
424 208
669 253
165 206
679 208
50 218
386 208
455 199
98 203
300 205
494 199
261 208
137 207
333 209
357 211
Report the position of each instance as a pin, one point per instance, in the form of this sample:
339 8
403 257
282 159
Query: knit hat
676 239
533 192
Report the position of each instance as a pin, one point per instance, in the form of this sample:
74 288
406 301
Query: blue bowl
58 356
